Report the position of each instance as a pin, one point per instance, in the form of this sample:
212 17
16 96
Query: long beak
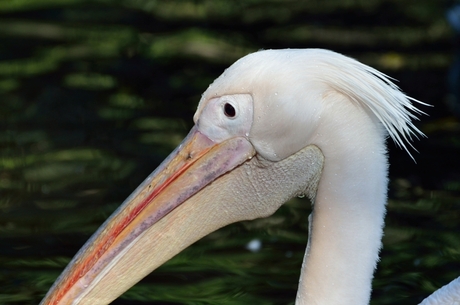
119 254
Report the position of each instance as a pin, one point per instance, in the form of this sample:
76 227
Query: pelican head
276 124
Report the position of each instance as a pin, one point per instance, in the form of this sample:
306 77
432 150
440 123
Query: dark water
93 95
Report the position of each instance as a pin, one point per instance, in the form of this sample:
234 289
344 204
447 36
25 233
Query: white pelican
276 124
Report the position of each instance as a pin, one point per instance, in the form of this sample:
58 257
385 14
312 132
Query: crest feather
375 91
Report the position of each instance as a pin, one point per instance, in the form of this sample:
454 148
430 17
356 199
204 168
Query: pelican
275 125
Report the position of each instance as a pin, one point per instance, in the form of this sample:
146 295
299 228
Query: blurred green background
94 94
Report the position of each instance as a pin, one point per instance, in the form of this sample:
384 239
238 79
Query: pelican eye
229 110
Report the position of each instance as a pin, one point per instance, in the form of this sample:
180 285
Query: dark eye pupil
229 110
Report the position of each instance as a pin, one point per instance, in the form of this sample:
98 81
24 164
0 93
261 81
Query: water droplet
254 245
276 93
301 196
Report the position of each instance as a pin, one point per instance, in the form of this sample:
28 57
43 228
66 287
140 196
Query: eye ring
229 110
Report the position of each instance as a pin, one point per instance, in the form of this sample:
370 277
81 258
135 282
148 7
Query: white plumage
276 124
